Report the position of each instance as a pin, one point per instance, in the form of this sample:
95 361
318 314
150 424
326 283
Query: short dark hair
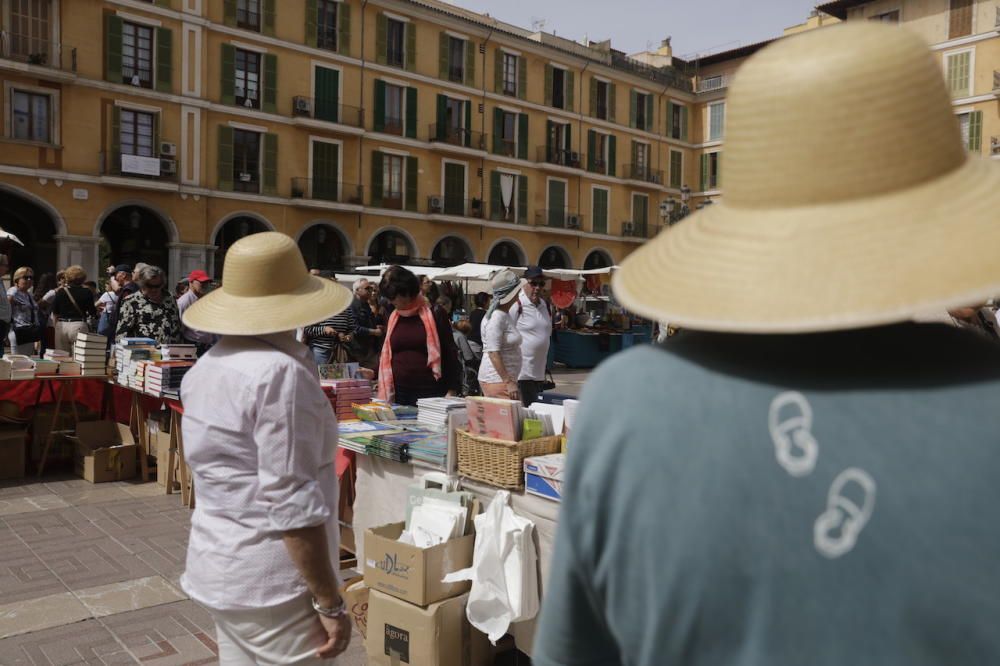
433 293
482 299
397 281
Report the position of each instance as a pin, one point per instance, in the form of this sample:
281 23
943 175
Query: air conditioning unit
168 166
627 228
168 149
303 106
436 204
572 221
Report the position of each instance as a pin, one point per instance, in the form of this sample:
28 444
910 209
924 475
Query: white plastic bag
504 570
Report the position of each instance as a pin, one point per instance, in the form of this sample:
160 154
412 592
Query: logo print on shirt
794 446
836 530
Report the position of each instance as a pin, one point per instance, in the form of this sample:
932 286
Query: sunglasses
537 283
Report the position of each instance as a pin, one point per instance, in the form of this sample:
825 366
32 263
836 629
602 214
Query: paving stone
38 502
85 563
70 645
177 633
55 610
129 595
22 575
52 525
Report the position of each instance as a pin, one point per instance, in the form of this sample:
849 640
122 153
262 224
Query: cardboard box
13 445
439 635
412 573
543 475
106 451
161 444
355 594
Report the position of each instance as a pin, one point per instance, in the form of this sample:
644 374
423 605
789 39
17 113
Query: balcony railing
500 213
560 156
668 76
327 190
995 145
134 166
247 19
392 125
307 107
458 206
598 165
457 136
632 229
505 147
558 218
710 83
456 73
643 173
35 51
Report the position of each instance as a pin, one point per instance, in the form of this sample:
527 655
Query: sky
696 26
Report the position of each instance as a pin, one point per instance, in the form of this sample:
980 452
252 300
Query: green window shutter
443 55
114 163
112 48
612 147
164 60
470 63
377 178
497 130
327 86
548 137
163 3
344 28
522 77
522 199
569 137
684 123
381 47
468 126
718 170
611 102
269 182
411 184
676 165
649 113
270 83
268 17
497 71
411 46
496 196
442 117
229 12
633 108
326 164
411 112
225 158
311 29
670 119
593 97
704 172
548 85
228 79
570 80
379 106
635 152
600 212
591 148
976 131
156 134
522 136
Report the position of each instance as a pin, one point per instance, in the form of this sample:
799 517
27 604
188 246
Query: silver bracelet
334 613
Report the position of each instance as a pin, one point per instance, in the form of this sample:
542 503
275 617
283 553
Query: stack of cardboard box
13 441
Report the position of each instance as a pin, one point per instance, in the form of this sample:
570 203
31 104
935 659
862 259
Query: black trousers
530 390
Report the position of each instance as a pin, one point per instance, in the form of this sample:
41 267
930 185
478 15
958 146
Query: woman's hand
513 391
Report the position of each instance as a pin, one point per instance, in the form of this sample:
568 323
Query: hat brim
504 300
225 314
879 260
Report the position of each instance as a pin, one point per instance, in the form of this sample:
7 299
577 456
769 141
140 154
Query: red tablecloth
86 392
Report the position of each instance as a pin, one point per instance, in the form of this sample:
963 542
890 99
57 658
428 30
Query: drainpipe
659 150
361 106
579 140
482 160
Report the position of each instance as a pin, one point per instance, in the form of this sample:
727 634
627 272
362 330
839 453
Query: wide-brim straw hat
266 289
850 200
506 286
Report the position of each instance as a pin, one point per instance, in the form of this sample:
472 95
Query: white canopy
429 271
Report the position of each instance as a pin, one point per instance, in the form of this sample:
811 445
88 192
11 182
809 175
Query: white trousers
286 634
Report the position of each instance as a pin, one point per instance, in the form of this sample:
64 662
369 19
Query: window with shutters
971 125
394 42
958 73
640 214
600 159
711 171
599 209
640 160
507 141
137 132
677 121
246 161
676 169
509 74
31 116
454 120
558 88
392 181
716 121
559 144
30 29
137 55
247 79
456 59
602 100
394 96
886 17
326 24
248 14
642 119
960 18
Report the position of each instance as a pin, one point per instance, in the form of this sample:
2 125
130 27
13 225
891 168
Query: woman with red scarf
419 358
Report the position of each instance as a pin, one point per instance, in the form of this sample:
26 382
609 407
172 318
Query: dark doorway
322 248
232 231
506 254
131 234
451 251
554 257
390 247
34 226
596 259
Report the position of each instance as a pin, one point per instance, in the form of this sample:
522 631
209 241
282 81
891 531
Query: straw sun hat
850 200
266 289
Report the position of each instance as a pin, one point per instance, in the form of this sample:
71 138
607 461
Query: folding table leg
52 427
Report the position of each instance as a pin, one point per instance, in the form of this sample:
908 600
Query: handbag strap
73 301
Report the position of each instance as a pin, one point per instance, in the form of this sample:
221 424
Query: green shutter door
548 85
498 71
704 172
227 85
633 108
377 179
649 114
611 102
325 172
114 159
522 76
411 184
593 97
591 149
270 180
522 199
557 204
600 212
270 83
570 79
381 28
268 17
684 123
311 17
443 55
113 48
327 94
164 60
976 131
441 128
454 189
344 28
411 46
229 12
522 136
468 127
670 119
612 146
676 166
225 158
496 196
497 131
379 106
411 112
470 63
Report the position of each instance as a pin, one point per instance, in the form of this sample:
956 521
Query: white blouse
500 335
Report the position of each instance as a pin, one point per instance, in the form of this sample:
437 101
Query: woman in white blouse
501 342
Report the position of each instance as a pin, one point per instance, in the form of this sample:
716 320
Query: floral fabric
140 317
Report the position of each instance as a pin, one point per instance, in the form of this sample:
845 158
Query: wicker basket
499 462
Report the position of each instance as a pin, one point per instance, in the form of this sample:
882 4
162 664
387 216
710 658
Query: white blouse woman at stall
501 364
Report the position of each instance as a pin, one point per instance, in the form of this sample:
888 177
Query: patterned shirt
139 317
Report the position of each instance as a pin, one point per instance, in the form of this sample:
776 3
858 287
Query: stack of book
356 435
507 420
128 353
433 412
45 367
57 355
373 411
430 450
343 394
178 352
395 446
21 367
90 351
163 378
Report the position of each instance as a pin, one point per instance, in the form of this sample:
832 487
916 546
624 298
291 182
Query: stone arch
510 248
32 220
598 258
378 255
324 245
452 250
134 231
232 228
555 256
173 235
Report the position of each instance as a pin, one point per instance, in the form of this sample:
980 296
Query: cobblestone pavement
89 575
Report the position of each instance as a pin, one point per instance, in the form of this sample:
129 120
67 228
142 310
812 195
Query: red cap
199 275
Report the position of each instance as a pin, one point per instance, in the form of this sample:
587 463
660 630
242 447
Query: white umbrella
9 236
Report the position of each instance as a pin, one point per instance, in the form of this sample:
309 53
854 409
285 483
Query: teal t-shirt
783 501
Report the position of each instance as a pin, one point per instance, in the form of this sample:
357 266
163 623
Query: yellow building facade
383 131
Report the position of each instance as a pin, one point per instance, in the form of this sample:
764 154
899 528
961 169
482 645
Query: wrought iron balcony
36 51
307 107
505 147
558 217
559 156
631 229
458 206
643 173
456 136
710 83
327 190
509 214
